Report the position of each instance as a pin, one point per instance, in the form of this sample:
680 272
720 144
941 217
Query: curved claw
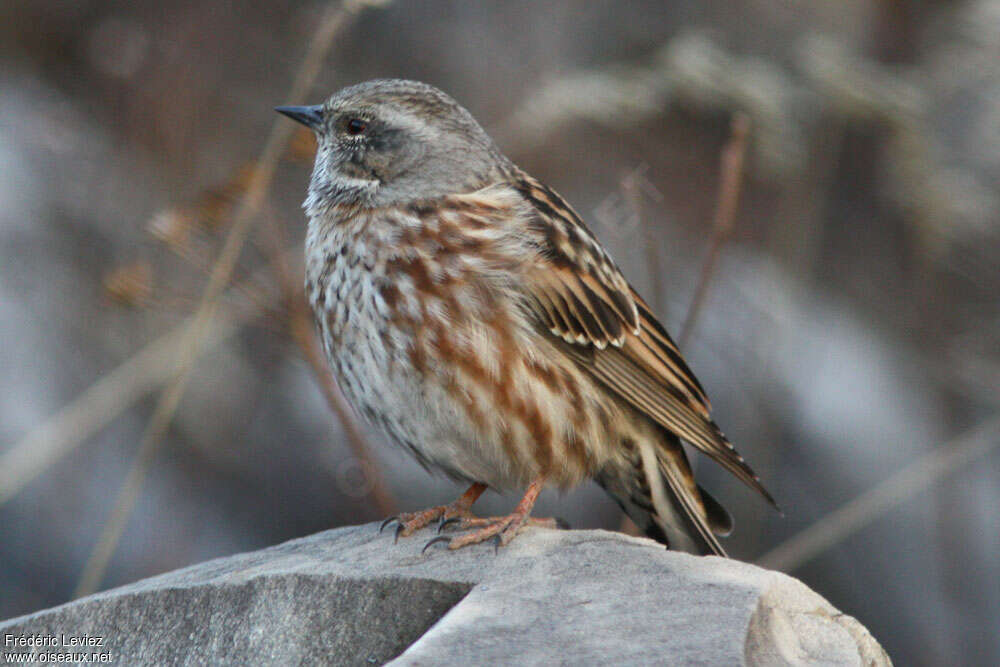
442 538
444 523
399 529
386 523
497 541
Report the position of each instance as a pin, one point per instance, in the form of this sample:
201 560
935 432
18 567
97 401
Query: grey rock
350 596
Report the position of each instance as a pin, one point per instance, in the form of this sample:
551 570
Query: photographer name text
52 641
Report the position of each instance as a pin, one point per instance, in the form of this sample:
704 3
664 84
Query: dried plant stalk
334 20
303 334
883 497
724 219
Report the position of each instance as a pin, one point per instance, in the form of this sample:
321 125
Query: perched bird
468 312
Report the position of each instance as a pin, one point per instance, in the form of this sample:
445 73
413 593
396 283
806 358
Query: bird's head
390 141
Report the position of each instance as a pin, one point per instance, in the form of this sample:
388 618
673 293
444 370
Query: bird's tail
655 486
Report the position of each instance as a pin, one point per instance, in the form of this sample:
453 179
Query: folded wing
582 297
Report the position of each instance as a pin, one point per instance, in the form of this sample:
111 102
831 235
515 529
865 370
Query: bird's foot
499 529
410 522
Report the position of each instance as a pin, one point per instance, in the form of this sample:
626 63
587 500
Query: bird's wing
581 296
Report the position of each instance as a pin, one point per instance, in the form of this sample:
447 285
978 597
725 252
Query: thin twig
872 504
723 222
109 397
724 219
334 19
101 403
633 186
303 334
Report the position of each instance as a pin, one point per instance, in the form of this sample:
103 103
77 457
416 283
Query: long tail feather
656 488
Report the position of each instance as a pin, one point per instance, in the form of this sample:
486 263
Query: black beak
311 117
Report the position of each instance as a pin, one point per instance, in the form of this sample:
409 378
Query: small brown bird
468 312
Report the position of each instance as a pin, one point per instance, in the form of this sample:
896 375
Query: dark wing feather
582 297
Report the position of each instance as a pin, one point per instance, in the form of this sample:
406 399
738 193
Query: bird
467 312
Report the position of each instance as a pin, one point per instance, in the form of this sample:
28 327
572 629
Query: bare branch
872 504
335 18
303 334
100 404
723 223
724 219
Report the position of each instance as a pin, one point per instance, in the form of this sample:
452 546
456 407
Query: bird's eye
356 126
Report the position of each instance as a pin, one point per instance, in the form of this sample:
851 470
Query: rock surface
349 596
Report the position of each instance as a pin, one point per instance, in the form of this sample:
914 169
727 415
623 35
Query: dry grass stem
872 504
724 218
723 223
104 401
334 19
109 398
303 334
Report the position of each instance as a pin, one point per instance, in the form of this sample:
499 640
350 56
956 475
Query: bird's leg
501 529
409 522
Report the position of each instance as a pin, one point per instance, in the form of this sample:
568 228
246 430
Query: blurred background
848 333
